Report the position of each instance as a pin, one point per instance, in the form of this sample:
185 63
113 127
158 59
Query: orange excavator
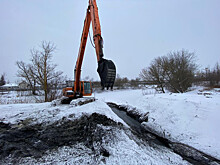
106 68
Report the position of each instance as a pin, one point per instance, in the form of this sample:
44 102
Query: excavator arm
77 71
97 37
106 68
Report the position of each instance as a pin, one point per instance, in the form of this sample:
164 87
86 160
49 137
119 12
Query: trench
137 129
188 153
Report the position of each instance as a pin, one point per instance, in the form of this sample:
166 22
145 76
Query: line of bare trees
175 71
211 77
124 82
41 71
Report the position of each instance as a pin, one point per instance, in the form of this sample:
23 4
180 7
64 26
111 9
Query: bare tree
175 71
44 70
155 73
121 82
53 87
2 80
180 70
134 83
26 72
41 71
217 73
213 75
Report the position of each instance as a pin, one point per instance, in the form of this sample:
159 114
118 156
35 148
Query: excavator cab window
87 87
82 87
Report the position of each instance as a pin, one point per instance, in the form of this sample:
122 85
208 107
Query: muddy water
127 119
186 152
138 129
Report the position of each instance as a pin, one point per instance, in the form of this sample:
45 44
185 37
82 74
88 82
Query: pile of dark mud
35 140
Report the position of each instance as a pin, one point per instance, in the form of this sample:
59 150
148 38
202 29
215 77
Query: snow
17 97
47 113
135 152
10 85
124 147
192 118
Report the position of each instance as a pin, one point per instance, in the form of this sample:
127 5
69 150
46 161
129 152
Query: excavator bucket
107 73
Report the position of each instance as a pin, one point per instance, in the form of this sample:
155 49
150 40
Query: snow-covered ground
123 147
19 97
192 118
46 113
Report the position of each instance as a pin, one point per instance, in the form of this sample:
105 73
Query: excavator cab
85 89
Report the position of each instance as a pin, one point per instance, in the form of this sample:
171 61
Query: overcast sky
134 32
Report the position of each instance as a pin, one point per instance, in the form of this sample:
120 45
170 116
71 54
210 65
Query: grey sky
134 32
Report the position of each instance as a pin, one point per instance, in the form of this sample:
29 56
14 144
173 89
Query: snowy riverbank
191 118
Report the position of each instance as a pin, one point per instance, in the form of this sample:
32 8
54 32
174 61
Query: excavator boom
77 71
106 68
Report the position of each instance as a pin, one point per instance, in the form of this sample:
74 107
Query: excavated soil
21 141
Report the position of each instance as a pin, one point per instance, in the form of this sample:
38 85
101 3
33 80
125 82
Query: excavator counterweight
106 68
